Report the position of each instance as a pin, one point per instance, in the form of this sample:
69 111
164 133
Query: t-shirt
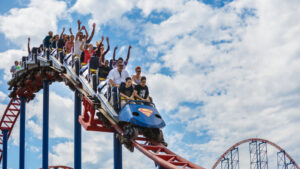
61 43
142 91
77 50
118 77
69 47
13 68
94 62
46 41
87 55
127 91
103 71
54 44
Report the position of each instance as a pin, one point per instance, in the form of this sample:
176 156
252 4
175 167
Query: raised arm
70 30
79 23
93 32
86 32
108 47
82 44
28 46
62 34
114 56
128 54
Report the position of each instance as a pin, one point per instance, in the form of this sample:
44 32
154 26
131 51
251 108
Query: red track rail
9 119
157 152
250 140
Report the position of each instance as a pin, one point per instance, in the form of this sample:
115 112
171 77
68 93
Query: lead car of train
135 117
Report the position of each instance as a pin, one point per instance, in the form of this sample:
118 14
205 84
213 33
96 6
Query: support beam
4 153
77 127
22 133
45 123
117 153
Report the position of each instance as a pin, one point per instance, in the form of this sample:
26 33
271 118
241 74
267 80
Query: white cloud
249 86
158 5
35 21
8 58
103 11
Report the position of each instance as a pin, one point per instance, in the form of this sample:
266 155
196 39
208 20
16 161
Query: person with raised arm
120 58
92 34
62 40
69 43
88 53
103 69
78 40
100 48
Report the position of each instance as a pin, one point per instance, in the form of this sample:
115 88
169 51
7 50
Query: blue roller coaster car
141 113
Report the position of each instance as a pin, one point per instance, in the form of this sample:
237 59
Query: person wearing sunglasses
118 75
136 79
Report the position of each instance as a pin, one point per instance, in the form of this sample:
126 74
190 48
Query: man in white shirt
117 75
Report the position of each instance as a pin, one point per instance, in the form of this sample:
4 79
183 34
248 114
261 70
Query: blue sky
219 72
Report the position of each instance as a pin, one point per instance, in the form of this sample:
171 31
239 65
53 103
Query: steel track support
45 123
4 152
117 153
77 126
22 133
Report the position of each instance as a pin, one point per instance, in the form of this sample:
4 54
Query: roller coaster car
138 117
141 113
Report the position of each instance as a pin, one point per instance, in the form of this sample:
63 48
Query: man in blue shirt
47 39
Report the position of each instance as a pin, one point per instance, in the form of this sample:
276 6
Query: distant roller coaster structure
258 156
39 71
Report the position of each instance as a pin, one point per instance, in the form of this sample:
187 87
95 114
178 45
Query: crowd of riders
93 56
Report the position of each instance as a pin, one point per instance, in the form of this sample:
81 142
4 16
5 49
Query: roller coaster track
252 140
29 81
9 119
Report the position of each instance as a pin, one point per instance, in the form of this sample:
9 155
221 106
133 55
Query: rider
79 40
141 91
136 79
126 91
14 67
47 39
114 63
88 53
117 75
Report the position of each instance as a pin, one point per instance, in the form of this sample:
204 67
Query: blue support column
22 133
45 123
4 152
117 153
77 126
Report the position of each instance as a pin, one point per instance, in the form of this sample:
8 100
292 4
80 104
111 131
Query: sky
218 71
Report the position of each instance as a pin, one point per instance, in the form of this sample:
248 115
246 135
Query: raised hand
78 21
94 25
116 47
130 46
83 27
28 39
64 29
107 39
70 29
102 38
